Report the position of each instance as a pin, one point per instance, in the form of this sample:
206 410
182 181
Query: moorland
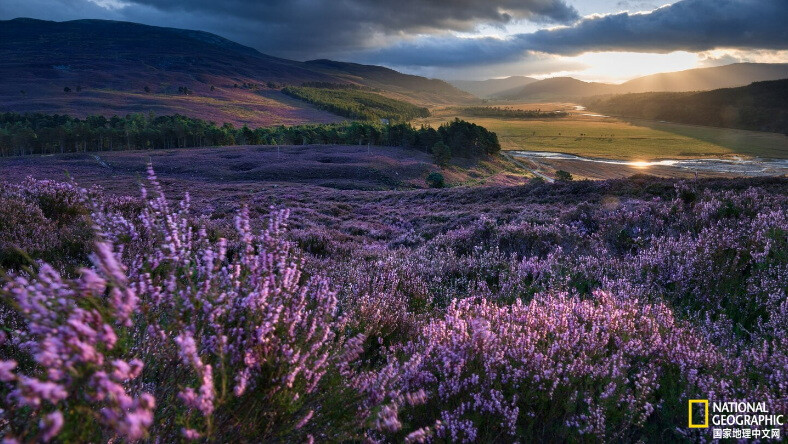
200 242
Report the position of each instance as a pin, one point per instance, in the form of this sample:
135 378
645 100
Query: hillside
492 87
761 106
559 88
412 88
699 79
704 79
88 67
357 104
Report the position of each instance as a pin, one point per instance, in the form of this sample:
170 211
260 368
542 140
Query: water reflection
733 166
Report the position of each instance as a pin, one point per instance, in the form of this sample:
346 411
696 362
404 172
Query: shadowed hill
559 88
761 106
85 67
700 79
492 87
704 79
414 88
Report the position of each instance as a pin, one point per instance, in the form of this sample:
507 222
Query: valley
591 135
202 242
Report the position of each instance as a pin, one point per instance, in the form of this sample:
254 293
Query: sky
593 40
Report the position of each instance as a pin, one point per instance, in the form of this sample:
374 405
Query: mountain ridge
491 87
83 67
696 79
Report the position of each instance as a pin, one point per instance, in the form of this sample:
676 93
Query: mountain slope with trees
760 106
89 67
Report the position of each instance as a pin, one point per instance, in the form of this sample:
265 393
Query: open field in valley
588 134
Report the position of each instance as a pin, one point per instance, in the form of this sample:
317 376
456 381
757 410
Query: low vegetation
575 311
357 104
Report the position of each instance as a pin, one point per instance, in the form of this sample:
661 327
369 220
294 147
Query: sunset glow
615 67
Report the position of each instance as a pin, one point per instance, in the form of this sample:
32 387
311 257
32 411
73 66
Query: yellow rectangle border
705 403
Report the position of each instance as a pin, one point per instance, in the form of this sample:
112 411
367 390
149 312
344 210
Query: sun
640 164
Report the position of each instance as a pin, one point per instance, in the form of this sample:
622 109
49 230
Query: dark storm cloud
691 25
304 28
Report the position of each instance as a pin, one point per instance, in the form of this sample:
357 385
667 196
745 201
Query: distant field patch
357 104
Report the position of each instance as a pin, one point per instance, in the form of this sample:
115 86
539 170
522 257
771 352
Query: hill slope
104 67
761 106
704 79
413 88
699 79
559 88
492 87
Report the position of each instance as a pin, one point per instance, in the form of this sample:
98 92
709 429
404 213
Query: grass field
587 134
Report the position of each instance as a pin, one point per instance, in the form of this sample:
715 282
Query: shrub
563 176
435 180
545 371
441 153
231 337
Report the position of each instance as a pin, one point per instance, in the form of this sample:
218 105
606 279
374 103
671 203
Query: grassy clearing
596 136
357 104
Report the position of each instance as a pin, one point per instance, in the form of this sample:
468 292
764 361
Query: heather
570 311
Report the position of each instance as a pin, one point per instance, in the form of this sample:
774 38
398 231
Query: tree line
509 113
357 103
24 134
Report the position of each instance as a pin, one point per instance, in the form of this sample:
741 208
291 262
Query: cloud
727 56
687 25
317 28
531 64
422 36
304 29
690 25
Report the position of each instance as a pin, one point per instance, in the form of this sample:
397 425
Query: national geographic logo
735 419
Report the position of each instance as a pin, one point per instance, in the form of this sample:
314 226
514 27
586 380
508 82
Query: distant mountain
699 79
105 67
492 87
559 88
704 79
761 106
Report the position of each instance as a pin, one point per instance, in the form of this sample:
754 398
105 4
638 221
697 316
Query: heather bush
219 340
575 311
65 371
46 220
556 368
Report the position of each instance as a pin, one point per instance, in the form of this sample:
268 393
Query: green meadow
616 138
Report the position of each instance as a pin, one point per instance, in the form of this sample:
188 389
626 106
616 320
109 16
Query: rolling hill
87 67
492 87
705 79
699 79
409 87
558 88
760 106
